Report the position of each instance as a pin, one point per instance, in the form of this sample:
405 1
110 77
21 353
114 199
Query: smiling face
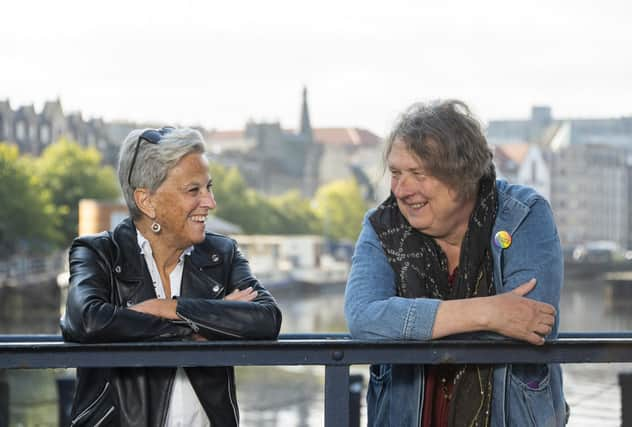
183 201
428 204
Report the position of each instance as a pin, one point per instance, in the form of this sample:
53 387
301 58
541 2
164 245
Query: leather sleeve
221 319
91 315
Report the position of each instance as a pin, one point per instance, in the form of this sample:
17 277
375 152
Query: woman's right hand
513 315
245 295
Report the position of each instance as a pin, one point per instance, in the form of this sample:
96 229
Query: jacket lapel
197 280
130 270
509 216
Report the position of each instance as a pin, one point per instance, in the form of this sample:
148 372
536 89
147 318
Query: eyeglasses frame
153 136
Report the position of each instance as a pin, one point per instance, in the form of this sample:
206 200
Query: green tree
71 172
238 203
234 199
26 213
288 213
341 207
295 214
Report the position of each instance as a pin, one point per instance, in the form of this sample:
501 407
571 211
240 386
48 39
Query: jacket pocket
100 412
530 399
378 396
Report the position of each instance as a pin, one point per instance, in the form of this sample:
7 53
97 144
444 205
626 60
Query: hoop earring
155 227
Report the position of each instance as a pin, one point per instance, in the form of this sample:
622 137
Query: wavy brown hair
449 141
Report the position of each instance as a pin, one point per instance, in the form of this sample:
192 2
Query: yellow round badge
502 239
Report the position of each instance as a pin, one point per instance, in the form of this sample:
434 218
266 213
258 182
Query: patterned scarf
421 268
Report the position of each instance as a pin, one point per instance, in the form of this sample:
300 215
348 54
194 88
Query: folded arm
374 311
91 316
247 312
372 308
508 314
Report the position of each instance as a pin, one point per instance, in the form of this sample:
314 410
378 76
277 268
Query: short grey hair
446 136
154 161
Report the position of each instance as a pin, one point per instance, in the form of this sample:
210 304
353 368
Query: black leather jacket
107 274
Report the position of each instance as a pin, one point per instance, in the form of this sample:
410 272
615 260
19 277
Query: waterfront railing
336 352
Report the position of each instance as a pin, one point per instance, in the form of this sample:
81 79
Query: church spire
306 126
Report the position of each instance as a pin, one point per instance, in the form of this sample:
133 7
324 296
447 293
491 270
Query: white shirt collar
145 246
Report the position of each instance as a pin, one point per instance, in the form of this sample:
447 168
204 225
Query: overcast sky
219 63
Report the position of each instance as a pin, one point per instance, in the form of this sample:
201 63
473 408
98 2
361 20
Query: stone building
353 153
591 189
6 121
523 163
271 158
531 130
32 132
274 160
590 162
26 130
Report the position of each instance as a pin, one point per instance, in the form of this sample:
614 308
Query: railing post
4 398
625 381
65 392
356 383
336 395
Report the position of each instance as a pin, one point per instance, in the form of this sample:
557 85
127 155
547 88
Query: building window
45 134
20 130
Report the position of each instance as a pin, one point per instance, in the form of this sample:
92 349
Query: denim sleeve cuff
419 320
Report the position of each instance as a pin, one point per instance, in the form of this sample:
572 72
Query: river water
293 396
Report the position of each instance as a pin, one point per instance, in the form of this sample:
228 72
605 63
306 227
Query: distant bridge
588 269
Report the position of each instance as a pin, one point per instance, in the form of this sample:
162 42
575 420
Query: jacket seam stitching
410 320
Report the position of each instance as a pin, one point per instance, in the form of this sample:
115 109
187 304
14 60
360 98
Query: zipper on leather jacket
103 418
90 406
191 323
196 327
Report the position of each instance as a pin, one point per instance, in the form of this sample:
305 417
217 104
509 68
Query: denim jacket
523 395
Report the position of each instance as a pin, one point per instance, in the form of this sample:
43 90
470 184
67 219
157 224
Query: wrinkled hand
522 318
165 308
245 295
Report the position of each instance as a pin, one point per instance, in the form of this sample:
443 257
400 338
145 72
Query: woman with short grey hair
161 276
148 167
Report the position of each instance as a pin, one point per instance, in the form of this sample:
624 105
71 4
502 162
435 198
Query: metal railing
336 352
